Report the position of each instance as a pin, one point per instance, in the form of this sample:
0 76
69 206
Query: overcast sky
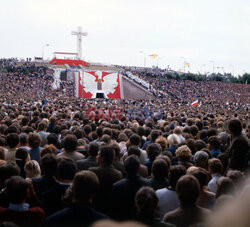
198 30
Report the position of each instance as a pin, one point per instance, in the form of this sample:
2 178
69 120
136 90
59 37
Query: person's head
122 137
163 142
42 126
155 134
85 185
16 189
153 150
23 139
66 169
194 130
178 130
160 168
132 164
87 129
135 140
116 149
199 145
213 142
235 127
174 175
106 139
202 176
225 186
70 143
52 139
237 177
22 156
215 166
146 202
34 140
134 150
93 149
173 139
188 190
48 149
32 169
183 153
49 165
106 155
201 159
12 140
8 170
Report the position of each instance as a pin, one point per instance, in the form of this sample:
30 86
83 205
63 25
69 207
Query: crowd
71 162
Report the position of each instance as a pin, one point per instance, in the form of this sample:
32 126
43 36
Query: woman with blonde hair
32 169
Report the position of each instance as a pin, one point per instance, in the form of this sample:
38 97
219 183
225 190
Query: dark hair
85 185
52 139
70 143
188 189
194 130
66 169
12 140
48 165
93 149
199 145
23 137
16 189
225 186
135 140
153 150
42 126
116 149
155 134
107 153
21 157
235 127
8 170
214 141
146 201
175 173
132 164
160 168
201 176
34 140
215 165
134 150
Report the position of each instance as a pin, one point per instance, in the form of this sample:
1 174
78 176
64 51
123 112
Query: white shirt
168 201
212 185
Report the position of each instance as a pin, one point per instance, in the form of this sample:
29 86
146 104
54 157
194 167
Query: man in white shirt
168 199
215 168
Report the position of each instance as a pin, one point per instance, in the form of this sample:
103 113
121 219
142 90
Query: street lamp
46 45
142 52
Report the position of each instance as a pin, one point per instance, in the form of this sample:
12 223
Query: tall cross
79 35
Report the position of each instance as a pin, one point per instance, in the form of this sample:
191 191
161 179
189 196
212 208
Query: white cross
79 35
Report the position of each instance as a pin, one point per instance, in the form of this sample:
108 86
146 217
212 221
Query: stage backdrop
88 84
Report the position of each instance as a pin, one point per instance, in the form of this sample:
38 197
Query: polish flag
195 103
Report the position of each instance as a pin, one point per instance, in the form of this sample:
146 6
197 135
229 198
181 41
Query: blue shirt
215 152
35 153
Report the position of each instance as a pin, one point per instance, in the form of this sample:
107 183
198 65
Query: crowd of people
71 162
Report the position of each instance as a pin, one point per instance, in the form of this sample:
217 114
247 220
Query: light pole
46 45
213 65
142 52
184 62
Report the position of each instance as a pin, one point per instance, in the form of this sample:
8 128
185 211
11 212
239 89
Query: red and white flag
195 103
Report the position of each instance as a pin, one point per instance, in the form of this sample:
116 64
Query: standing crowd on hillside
71 162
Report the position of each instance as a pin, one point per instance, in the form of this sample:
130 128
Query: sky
210 35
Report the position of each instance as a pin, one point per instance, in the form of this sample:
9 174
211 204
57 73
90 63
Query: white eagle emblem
98 83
